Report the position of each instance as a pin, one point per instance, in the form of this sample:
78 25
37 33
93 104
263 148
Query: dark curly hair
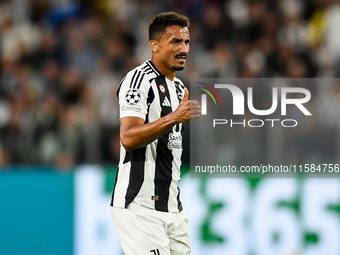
164 19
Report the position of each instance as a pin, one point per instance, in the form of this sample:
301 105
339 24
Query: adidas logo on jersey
166 102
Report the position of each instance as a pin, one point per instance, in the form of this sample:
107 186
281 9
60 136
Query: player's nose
184 48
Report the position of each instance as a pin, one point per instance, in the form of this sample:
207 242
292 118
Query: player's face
173 47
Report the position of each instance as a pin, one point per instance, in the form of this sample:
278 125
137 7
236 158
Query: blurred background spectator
61 63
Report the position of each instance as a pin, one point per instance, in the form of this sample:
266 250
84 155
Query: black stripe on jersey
151 80
114 186
145 66
133 78
148 70
179 84
120 84
180 207
127 157
163 171
135 82
151 97
179 92
153 67
140 81
136 174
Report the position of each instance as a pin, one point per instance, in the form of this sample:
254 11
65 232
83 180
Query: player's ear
154 46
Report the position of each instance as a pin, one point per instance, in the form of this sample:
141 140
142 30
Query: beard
177 68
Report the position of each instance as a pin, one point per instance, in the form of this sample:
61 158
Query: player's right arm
135 134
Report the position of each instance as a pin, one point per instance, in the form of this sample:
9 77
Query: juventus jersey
150 175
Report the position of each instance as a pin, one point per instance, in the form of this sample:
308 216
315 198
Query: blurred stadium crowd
62 60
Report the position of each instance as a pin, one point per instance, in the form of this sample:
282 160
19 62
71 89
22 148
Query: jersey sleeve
132 95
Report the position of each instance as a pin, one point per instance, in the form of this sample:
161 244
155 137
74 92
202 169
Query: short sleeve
132 95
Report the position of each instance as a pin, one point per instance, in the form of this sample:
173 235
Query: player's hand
188 109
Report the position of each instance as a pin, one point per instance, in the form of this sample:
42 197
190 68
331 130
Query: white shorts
143 231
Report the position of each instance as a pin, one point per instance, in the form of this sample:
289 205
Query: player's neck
170 74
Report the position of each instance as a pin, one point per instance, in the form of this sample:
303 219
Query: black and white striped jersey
150 175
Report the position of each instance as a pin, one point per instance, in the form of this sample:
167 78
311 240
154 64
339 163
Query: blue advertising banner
36 215
50 213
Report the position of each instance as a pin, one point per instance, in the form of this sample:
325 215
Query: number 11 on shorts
155 252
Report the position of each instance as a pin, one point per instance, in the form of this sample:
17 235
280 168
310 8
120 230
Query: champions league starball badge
132 97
